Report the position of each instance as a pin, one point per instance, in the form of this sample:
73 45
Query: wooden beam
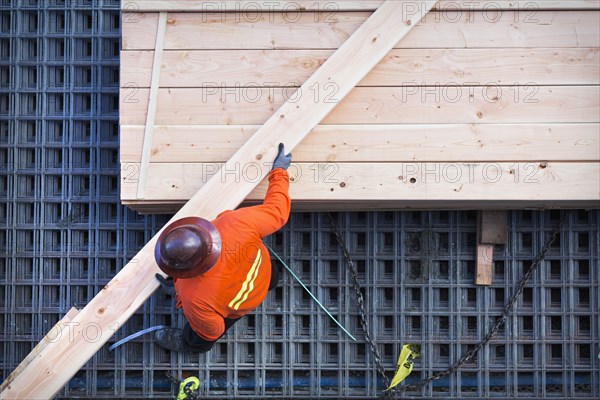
130 288
368 143
48 340
210 6
338 181
152 100
167 207
491 230
277 68
485 263
492 227
375 105
191 31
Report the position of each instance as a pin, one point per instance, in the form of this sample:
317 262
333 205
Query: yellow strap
405 364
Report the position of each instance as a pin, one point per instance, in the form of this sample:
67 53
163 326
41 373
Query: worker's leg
187 340
196 343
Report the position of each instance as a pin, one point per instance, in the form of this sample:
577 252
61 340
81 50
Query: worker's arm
273 214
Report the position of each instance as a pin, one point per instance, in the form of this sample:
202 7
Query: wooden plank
147 207
277 68
378 105
152 101
505 181
356 143
484 264
192 31
51 337
211 6
492 227
130 288
491 230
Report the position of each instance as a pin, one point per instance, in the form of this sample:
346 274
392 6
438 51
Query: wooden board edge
341 6
47 340
150 208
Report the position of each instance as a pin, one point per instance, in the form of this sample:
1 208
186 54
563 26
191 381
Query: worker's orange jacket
239 281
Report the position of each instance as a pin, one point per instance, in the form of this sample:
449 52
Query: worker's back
240 279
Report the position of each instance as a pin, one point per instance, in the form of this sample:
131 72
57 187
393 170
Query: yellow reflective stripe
248 279
251 286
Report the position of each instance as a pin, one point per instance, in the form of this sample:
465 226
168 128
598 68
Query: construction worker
222 269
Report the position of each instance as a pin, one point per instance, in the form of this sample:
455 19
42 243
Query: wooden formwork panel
209 6
515 91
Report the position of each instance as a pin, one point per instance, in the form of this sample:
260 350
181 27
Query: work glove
282 160
166 285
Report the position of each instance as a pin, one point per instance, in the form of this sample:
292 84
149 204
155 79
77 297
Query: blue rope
309 292
135 335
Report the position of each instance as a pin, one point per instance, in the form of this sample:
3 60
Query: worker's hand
282 160
166 285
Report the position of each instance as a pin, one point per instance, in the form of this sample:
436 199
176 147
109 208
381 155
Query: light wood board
365 143
130 288
366 105
277 68
192 31
338 181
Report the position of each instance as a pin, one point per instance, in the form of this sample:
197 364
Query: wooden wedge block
492 227
485 263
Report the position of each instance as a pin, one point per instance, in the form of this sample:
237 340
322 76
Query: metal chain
191 394
361 302
173 379
471 353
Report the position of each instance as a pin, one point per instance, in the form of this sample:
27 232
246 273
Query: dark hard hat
188 247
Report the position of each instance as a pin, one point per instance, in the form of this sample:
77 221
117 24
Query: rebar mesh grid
63 236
